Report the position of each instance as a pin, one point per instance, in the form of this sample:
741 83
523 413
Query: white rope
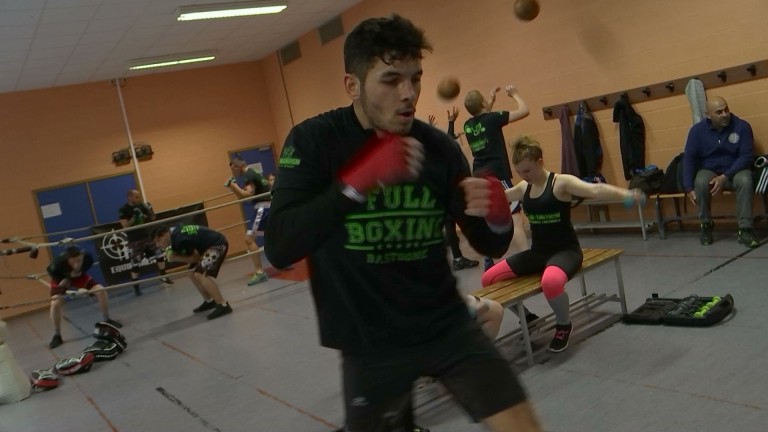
174 275
67 241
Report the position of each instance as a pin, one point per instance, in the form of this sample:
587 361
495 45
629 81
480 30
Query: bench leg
642 221
526 334
660 219
678 214
583 283
620 282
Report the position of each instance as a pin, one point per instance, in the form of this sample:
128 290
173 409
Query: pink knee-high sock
498 272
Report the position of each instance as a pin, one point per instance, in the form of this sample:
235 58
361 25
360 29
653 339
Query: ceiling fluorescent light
228 10
172 60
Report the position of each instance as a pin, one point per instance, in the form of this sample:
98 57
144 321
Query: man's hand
453 114
493 93
431 119
485 198
717 184
692 197
511 91
384 161
230 181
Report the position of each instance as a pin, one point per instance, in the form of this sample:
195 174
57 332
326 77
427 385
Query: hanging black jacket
586 142
631 136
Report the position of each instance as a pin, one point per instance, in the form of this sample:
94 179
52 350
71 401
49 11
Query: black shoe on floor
748 239
220 311
114 323
137 291
560 341
462 263
707 238
166 281
530 319
207 305
55 341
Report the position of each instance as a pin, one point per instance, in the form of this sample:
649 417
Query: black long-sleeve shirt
379 273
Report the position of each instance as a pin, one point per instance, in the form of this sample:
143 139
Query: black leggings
452 238
534 261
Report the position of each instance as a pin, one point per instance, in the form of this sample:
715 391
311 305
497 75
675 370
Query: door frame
39 211
271 146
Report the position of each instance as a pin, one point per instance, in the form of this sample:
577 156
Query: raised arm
492 98
576 187
522 107
239 192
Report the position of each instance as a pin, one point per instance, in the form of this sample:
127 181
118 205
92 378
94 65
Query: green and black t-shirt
378 269
186 239
486 140
260 184
141 214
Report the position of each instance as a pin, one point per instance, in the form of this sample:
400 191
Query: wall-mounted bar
721 77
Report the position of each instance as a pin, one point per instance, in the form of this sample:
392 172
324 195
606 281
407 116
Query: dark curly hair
388 39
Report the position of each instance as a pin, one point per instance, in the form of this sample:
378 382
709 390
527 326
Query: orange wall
61 135
573 50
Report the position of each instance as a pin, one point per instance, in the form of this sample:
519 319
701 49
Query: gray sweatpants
742 184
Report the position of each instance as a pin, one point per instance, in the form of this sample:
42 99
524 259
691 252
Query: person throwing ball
69 276
363 192
204 250
555 249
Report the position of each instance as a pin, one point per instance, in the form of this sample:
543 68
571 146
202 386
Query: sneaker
220 311
747 238
560 341
55 341
137 290
419 429
488 262
258 278
112 322
706 233
530 319
207 305
166 281
462 263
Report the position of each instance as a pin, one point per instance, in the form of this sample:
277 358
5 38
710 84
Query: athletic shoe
488 262
419 429
560 341
112 322
748 239
55 341
530 319
166 281
137 290
258 278
706 233
207 305
462 263
220 311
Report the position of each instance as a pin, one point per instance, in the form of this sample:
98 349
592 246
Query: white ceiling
48 43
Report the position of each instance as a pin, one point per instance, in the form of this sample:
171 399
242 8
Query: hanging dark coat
631 137
586 141
569 164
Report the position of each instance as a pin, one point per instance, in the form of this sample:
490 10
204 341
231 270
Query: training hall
155 155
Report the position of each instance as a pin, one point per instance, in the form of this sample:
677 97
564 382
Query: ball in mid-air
527 10
448 88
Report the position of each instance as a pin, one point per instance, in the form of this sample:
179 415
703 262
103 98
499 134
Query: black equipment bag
691 311
648 181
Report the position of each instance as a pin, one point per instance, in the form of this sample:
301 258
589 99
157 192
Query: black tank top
550 219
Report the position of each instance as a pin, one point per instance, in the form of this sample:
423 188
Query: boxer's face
163 241
134 198
76 262
530 170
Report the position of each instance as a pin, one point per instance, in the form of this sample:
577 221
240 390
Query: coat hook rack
713 79
723 76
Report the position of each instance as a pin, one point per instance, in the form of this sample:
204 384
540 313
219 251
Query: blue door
69 208
109 194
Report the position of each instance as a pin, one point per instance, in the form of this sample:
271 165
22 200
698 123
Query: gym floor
262 369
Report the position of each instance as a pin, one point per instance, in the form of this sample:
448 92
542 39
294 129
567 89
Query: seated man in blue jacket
718 156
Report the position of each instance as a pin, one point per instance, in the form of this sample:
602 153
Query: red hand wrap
499 216
383 160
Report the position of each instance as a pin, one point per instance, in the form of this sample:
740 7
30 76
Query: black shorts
533 261
377 386
140 249
211 260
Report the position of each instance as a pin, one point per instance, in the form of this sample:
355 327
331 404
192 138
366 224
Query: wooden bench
511 293
662 222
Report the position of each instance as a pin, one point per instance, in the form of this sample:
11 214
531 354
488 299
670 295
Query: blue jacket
726 152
